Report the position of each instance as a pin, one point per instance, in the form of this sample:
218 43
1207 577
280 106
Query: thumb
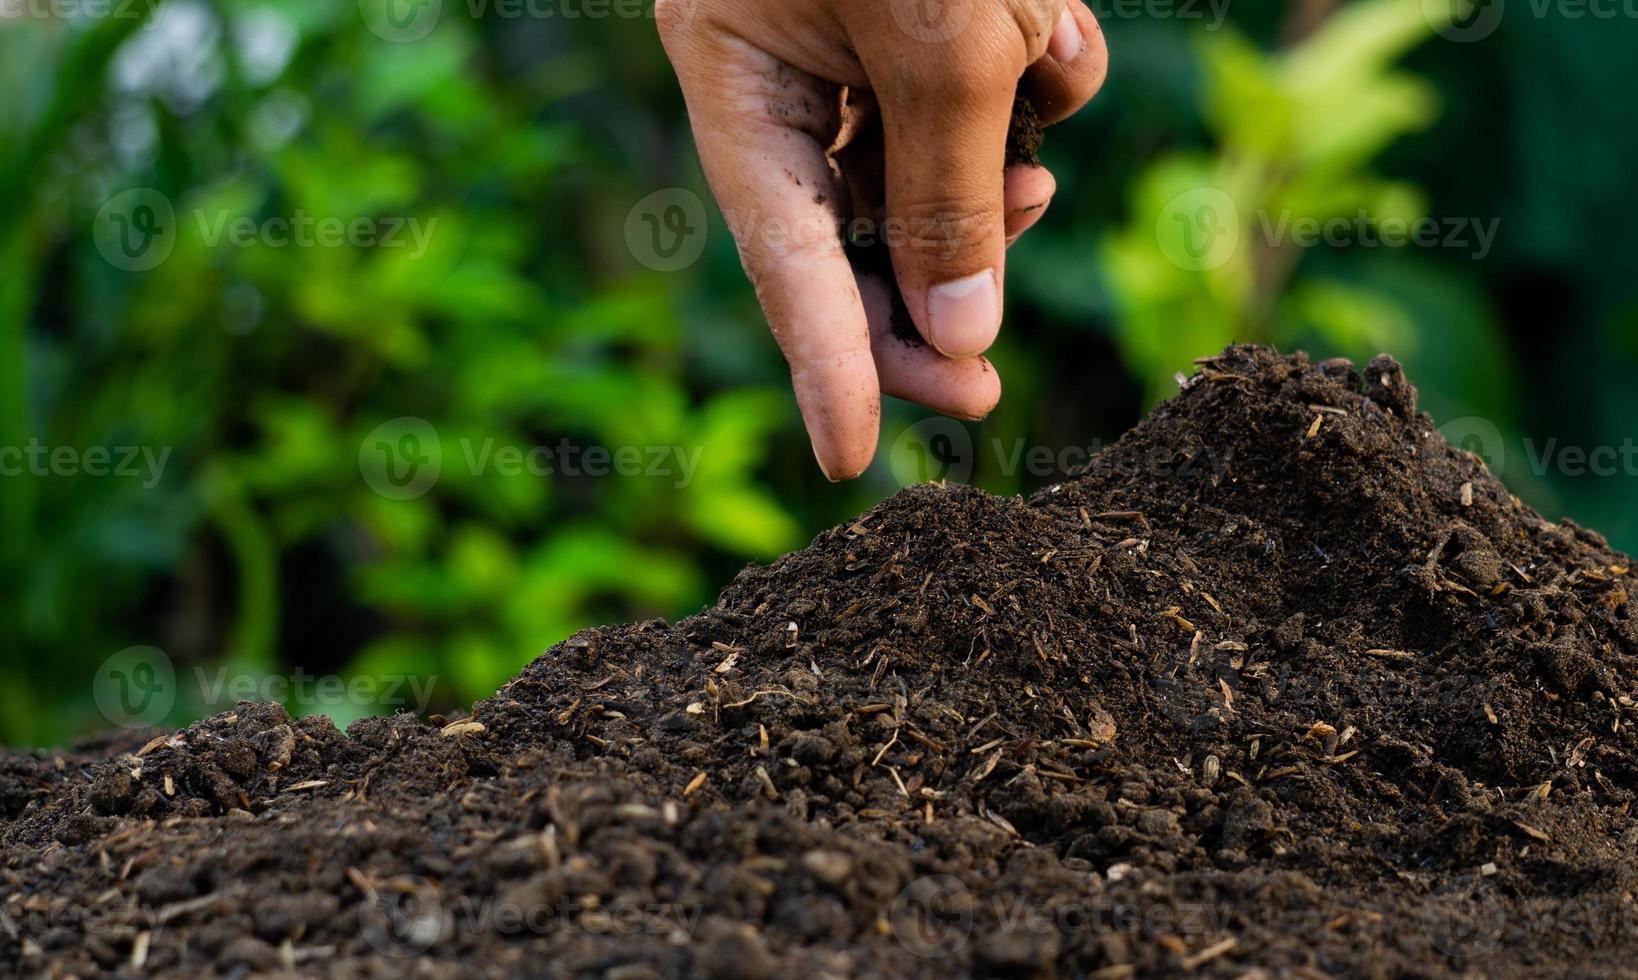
945 116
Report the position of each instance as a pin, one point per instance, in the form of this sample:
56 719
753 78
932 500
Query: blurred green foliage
1295 134
522 143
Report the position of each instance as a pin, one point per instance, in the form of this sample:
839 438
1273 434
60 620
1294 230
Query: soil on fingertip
1283 685
1025 134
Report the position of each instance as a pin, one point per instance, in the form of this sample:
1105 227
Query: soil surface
1283 686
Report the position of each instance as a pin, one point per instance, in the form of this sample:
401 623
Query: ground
1283 683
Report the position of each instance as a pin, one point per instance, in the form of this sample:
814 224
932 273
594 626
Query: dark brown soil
1284 686
1025 134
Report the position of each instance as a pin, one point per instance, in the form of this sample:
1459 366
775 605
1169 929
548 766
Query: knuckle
959 79
962 72
946 230
1036 20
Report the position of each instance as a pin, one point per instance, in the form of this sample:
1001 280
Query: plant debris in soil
1283 685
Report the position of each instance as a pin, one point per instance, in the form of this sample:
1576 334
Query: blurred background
327 328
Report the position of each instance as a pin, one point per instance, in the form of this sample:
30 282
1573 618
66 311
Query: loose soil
1283 686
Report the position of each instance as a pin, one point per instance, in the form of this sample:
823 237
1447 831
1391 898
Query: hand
817 119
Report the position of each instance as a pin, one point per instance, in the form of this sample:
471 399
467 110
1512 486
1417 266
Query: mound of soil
1284 685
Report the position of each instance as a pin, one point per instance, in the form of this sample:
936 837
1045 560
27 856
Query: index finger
776 189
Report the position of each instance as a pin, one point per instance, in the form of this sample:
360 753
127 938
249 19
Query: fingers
776 189
1029 190
1075 65
965 388
764 123
945 119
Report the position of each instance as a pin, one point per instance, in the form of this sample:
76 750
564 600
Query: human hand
819 119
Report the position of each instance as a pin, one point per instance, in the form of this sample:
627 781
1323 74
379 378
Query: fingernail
1066 42
965 315
818 459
